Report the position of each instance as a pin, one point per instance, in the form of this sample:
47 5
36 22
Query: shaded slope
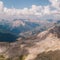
7 37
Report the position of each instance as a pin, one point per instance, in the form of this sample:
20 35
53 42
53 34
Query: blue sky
23 3
30 9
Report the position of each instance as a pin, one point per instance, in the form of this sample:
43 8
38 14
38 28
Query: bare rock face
55 31
48 41
51 55
3 47
41 46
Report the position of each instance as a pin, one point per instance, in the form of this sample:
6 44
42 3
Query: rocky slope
42 46
46 41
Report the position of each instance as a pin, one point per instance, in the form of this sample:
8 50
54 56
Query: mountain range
18 26
44 45
10 31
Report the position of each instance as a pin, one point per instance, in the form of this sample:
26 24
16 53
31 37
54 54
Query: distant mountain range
9 32
18 26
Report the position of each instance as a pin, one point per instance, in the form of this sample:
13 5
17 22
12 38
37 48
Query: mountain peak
55 30
51 32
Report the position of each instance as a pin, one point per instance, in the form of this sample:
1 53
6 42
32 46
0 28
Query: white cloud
55 3
1 6
32 12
